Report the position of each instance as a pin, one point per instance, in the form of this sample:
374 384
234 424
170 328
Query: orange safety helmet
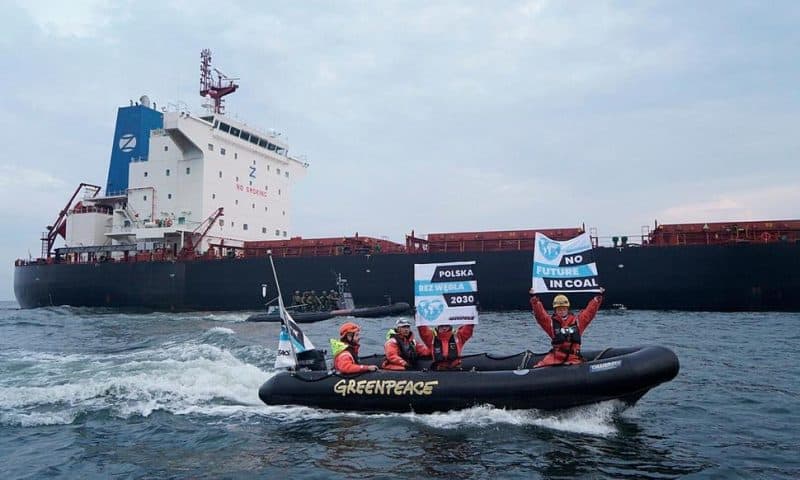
348 327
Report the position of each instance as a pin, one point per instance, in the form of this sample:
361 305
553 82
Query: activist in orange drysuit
445 347
345 350
400 349
564 328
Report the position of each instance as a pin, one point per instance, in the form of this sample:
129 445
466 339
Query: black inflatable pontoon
310 317
623 374
298 317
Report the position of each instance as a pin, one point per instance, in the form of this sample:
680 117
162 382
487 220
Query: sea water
93 393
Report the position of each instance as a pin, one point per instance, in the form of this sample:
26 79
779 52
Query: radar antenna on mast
214 88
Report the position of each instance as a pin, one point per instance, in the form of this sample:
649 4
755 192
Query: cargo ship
193 205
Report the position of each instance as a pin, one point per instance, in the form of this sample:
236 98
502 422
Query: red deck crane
59 227
190 244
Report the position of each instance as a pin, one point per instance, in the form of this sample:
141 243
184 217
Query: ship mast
214 88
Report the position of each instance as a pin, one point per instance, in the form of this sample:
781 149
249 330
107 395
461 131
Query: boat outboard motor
312 360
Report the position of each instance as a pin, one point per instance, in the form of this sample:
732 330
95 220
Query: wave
181 378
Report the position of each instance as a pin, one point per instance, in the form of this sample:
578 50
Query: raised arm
541 316
587 314
426 335
464 332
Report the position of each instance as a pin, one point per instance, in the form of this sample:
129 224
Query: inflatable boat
398 308
511 382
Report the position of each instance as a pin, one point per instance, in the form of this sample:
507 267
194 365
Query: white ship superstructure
171 177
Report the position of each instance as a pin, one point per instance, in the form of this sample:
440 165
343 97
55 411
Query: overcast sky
433 116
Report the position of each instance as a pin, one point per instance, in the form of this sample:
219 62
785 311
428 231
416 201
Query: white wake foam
180 378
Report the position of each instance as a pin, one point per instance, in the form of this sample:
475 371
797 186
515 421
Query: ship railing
92 209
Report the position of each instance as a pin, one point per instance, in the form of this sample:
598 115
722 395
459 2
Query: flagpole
281 309
277 285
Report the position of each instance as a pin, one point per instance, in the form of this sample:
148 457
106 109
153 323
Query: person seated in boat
444 345
400 349
345 350
323 301
333 300
306 301
564 328
297 299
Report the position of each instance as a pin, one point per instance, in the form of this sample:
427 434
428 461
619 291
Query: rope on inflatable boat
602 352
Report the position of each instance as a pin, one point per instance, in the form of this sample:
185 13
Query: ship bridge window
281 151
181 220
271 147
225 127
262 143
244 136
235 131
254 140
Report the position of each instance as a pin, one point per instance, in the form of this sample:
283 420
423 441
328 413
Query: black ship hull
736 277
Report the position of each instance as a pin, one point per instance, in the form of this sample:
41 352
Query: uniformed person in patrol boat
564 328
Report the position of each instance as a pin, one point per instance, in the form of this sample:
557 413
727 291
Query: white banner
446 293
291 341
564 266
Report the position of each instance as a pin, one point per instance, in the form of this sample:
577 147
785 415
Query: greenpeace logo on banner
550 249
445 293
564 266
430 311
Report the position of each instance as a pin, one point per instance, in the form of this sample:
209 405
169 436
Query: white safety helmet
402 322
